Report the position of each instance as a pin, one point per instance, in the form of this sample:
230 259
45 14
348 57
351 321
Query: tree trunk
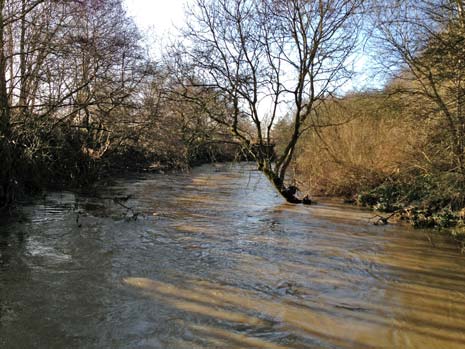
5 127
276 178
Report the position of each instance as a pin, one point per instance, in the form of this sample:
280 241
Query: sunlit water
215 259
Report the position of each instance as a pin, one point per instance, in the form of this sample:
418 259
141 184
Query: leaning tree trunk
276 171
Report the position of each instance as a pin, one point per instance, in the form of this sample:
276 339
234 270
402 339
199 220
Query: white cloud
159 16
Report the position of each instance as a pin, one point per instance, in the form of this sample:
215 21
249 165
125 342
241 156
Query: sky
157 16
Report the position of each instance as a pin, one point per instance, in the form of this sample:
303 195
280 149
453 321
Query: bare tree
11 12
66 67
422 44
108 65
264 58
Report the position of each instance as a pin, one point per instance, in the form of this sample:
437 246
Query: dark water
215 259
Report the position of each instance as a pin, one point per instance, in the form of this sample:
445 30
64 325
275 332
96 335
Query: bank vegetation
399 148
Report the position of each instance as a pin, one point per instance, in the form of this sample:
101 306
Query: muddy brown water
215 259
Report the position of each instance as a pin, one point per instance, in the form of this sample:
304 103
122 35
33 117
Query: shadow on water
215 259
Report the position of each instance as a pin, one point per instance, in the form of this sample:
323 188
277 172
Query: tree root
384 220
289 193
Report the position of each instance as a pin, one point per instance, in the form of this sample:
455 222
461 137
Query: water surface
216 259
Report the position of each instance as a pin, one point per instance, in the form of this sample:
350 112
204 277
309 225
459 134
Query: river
216 259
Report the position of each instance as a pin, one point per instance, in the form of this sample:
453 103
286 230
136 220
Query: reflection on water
215 259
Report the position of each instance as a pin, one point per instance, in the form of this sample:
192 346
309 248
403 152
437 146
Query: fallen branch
384 220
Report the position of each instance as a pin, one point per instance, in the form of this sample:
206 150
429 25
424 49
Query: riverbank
76 170
440 219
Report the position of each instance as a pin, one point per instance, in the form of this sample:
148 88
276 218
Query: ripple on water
215 258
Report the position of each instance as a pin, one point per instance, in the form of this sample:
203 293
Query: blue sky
158 18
